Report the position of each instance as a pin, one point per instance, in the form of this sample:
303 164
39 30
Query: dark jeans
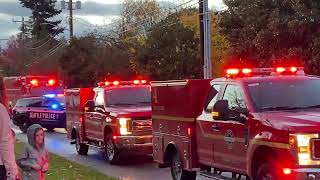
3 174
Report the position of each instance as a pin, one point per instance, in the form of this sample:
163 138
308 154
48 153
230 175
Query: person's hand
45 167
37 167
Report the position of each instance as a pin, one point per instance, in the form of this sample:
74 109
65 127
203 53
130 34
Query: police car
48 111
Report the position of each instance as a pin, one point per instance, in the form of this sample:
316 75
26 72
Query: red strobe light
136 82
143 81
280 69
293 69
116 83
34 82
107 83
52 82
233 71
246 71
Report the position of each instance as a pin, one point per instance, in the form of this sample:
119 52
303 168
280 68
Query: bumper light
124 122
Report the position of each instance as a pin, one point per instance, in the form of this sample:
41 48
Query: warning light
293 69
136 82
143 81
34 82
107 83
246 71
51 82
233 71
114 137
60 95
189 131
280 69
287 171
49 95
116 83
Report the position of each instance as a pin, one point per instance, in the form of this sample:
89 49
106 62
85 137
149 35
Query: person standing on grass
8 166
34 161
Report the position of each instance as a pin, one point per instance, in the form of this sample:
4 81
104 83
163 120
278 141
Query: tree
170 52
264 32
87 61
42 14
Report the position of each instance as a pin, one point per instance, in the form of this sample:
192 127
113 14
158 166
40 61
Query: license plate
43 115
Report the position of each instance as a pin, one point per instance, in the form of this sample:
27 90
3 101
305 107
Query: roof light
54 106
136 82
246 71
49 95
107 83
51 82
293 69
34 82
233 71
287 171
60 95
116 83
143 81
280 69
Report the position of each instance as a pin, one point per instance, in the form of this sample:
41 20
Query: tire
112 153
81 148
177 171
266 172
24 127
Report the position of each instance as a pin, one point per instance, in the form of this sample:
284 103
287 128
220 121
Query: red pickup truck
115 117
254 123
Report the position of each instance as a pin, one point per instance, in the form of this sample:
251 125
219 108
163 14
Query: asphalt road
130 168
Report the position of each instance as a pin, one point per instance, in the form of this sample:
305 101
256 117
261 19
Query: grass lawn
63 169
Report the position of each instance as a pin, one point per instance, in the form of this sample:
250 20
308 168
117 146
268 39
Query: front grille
140 125
315 149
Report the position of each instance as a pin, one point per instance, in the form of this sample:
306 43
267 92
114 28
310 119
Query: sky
93 13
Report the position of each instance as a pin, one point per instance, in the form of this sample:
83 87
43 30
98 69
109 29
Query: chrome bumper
134 142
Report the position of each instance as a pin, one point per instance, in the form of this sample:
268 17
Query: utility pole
71 8
23 28
205 38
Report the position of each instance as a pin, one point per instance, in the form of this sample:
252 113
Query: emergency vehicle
115 117
31 86
255 123
48 111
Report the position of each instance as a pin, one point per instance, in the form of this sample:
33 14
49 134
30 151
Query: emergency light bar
117 83
53 95
235 72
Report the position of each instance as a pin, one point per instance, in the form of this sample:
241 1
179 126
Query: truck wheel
82 149
266 172
112 153
24 127
177 171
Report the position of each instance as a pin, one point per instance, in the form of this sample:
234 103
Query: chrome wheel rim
110 150
177 169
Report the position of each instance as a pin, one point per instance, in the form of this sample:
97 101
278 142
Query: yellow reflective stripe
271 144
173 118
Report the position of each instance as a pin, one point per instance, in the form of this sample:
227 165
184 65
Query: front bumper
136 144
307 173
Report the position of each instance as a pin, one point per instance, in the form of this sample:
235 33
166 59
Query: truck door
232 150
93 121
208 137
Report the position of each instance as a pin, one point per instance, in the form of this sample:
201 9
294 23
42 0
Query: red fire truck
31 86
254 123
115 117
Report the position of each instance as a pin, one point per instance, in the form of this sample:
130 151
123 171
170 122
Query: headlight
124 123
301 143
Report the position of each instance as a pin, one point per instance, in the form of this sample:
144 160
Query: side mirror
89 106
220 110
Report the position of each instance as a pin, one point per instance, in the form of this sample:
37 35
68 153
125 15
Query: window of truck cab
233 93
128 96
212 97
99 99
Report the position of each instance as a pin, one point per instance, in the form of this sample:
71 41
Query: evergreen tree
43 12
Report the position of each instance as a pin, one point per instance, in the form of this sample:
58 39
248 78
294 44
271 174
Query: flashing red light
280 69
293 69
287 171
233 71
107 83
81 119
52 82
116 83
34 82
189 131
143 81
246 71
136 82
114 137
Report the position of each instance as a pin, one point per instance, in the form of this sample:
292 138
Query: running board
214 176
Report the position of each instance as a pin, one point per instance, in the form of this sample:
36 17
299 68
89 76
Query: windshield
283 95
128 96
47 102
